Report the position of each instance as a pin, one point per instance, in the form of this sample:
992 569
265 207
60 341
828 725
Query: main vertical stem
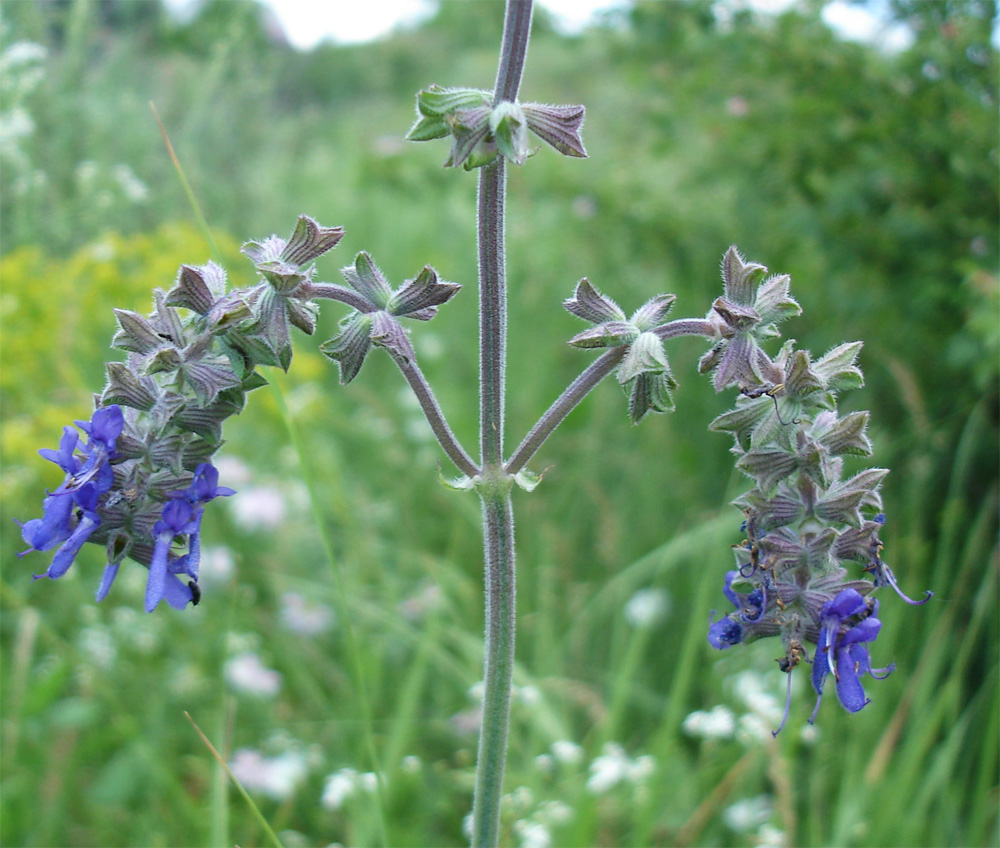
492 313
494 488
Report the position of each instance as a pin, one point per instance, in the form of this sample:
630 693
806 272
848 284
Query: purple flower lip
847 624
104 428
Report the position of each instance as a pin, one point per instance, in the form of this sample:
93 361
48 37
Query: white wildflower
745 815
531 834
258 507
608 770
218 565
338 787
566 752
768 836
647 607
98 644
305 617
277 777
717 723
247 674
554 812
530 696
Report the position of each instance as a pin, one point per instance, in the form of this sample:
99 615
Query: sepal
608 334
197 287
367 280
387 332
420 297
645 355
436 104
473 146
558 126
740 278
127 389
837 370
843 435
309 240
350 346
653 312
481 131
135 333
843 501
774 302
767 466
650 393
590 305
509 129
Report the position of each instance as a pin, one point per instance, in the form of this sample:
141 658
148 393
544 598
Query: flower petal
849 689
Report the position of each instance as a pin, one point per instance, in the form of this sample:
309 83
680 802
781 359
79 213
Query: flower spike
804 522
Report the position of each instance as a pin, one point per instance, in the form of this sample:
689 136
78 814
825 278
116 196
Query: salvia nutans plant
140 476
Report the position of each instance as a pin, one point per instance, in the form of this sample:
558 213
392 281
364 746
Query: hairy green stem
563 405
498 526
492 313
435 417
333 291
494 487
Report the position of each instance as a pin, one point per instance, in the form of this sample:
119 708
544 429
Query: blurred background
340 631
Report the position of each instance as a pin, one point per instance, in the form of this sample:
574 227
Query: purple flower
178 518
104 428
750 606
55 526
65 457
115 507
204 487
69 514
881 572
847 624
724 633
87 522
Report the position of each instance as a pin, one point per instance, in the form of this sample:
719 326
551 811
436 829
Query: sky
308 22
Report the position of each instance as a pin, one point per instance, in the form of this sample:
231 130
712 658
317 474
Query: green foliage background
870 177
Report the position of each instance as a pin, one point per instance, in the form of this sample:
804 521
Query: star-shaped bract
744 316
378 323
644 370
481 131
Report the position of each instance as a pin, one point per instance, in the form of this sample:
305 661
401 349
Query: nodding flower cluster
140 482
804 522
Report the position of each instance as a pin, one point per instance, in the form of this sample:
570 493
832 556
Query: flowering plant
140 483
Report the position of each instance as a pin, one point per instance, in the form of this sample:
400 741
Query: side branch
332 291
563 405
582 385
686 327
435 417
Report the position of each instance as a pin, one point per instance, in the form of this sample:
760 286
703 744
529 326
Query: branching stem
581 386
435 417
332 291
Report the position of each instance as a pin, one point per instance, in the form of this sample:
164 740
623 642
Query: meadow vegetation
340 630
